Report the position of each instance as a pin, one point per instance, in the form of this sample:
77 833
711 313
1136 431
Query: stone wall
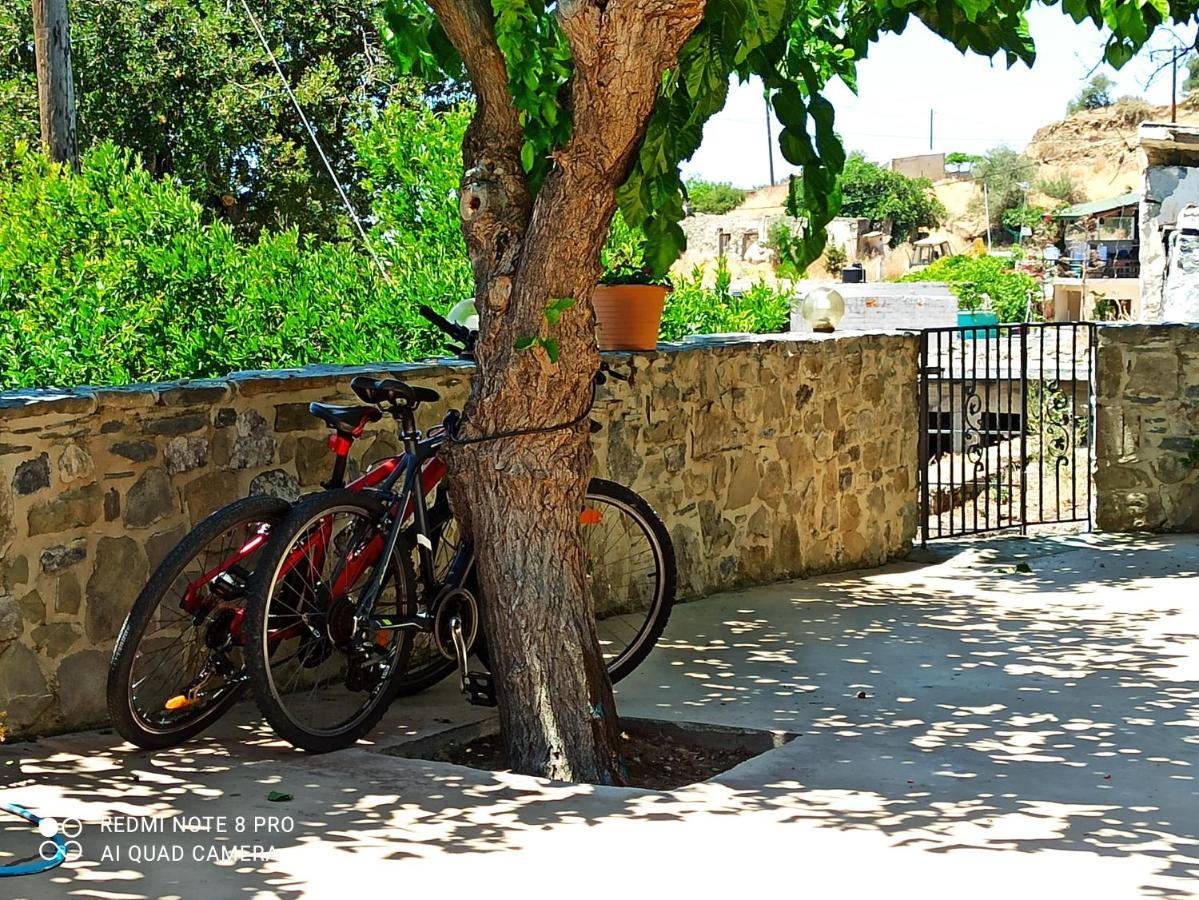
768 458
1147 428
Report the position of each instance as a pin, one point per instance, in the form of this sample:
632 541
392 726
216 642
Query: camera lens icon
66 831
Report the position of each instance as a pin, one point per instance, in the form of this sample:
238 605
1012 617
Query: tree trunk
521 495
55 87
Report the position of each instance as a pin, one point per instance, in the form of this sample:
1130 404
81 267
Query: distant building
1098 274
927 165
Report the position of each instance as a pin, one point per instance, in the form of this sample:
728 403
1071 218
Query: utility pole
769 140
1174 86
987 213
55 88
930 131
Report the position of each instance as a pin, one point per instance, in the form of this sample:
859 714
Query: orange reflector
590 516
381 638
179 702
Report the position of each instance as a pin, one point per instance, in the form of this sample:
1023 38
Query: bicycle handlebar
457 332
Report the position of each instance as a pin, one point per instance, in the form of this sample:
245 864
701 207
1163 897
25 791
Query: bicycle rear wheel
316 684
177 664
631 574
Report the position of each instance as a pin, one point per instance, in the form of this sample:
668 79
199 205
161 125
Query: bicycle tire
659 613
646 637
257 643
126 719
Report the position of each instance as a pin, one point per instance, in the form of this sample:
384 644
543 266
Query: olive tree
583 107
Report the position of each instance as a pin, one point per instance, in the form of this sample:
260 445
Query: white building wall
885 306
1168 189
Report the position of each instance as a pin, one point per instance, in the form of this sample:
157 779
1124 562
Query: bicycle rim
320 686
625 576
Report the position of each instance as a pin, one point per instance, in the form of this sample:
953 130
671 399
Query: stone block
208 493
186 452
75 463
276 483
185 423
32 476
149 500
119 575
55 640
295 417
81 687
75 508
254 445
11 619
60 556
69 597
135 451
24 693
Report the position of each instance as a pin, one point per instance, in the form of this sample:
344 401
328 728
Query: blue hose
33 867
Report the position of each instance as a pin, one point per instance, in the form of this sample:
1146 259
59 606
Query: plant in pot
628 300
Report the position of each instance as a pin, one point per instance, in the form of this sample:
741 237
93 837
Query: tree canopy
796 47
186 86
872 192
1095 94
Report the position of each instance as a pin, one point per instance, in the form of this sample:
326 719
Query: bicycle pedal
479 688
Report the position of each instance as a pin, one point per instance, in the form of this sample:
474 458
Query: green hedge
109 276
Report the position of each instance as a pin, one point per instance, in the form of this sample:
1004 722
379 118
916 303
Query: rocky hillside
1099 147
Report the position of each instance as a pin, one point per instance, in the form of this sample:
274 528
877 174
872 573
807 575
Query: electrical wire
316 143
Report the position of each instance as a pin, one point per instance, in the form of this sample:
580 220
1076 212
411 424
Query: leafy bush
835 258
872 192
692 308
982 282
713 196
1061 186
110 276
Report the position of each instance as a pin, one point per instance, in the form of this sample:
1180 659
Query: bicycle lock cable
42 864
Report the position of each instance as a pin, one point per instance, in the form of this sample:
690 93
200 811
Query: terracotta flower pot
627 316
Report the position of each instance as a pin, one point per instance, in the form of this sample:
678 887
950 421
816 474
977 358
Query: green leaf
550 346
279 797
524 343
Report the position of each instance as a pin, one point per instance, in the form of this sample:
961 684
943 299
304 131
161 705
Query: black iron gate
1006 415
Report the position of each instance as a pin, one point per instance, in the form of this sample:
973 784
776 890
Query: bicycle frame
382 477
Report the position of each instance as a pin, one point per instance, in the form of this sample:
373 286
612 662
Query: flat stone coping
28 402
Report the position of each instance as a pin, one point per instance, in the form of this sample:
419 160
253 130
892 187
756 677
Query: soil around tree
656 755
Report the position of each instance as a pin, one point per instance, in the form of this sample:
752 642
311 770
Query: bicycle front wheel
319 685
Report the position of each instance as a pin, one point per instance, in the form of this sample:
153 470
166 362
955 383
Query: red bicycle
367 592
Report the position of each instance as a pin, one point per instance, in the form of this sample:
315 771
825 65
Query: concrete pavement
1028 734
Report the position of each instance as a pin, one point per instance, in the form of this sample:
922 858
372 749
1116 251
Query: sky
977 103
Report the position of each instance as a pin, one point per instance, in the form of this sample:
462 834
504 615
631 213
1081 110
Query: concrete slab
1019 733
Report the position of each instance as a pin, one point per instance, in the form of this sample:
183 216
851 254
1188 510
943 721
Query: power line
317 144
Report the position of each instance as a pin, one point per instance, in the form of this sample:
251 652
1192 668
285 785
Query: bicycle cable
452 432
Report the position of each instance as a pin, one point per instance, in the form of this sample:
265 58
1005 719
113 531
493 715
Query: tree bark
55 87
521 496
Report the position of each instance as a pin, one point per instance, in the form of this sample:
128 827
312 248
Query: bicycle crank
478 687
